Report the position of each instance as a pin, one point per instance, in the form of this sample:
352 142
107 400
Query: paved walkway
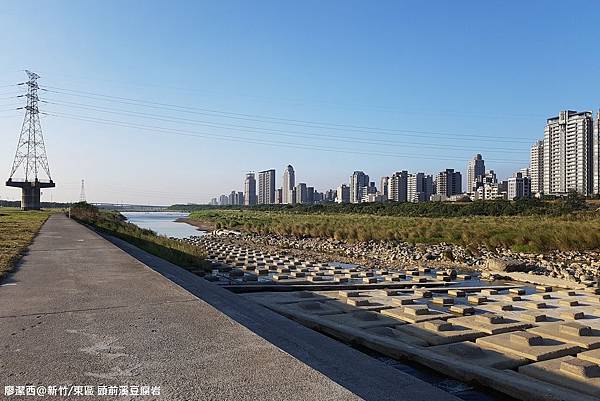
81 311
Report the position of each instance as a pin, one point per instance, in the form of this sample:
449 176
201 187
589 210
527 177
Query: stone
505 265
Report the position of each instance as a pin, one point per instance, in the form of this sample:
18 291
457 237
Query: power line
231 138
267 131
257 118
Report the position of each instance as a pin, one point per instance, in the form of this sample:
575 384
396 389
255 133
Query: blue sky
246 86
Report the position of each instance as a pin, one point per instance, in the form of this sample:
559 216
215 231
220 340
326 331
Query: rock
506 265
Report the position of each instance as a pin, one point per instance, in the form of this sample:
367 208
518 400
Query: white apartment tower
343 194
568 153
420 187
358 180
536 167
398 186
250 190
596 156
383 187
266 187
519 186
289 183
475 169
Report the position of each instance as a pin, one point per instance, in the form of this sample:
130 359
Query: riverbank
17 230
577 262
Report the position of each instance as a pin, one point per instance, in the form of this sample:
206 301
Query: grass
17 229
188 256
574 231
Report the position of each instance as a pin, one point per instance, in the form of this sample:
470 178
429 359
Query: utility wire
265 131
232 138
256 118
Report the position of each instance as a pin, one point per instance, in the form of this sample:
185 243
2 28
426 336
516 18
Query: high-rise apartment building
301 193
568 154
279 196
398 186
343 194
358 180
266 187
519 186
289 183
449 183
383 187
475 169
420 187
250 190
596 155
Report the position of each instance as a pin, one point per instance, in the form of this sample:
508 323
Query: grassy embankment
180 253
560 226
17 229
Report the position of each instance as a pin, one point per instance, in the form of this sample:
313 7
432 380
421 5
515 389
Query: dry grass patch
17 229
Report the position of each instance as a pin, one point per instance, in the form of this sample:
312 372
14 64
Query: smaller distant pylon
82 193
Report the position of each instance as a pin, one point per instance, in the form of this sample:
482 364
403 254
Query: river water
163 223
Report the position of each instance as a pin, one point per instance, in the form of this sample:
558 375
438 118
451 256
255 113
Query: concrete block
415 313
463 310
534 305
517 291
490 323
528 345
541 296
489 292
438 332
456 293
471 353
401 301
394 334
422 293
387 292
369 280
570 332
464 277
362 319
571 315
444 301
348 294
317 308
580 376
476 300
568 302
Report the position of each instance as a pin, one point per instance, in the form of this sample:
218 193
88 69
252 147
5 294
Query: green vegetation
180 253
522 207
528 233
17 229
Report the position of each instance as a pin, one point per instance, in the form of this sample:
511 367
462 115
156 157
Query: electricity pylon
30 157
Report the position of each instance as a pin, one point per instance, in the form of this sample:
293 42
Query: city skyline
163 93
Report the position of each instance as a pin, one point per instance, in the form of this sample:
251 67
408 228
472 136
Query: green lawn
576 231
17 229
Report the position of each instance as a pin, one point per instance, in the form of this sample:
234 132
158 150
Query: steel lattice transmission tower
82 193
30 157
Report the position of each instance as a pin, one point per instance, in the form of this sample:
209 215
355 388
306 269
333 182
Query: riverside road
81 311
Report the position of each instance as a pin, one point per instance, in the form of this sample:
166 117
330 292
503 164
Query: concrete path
80 311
